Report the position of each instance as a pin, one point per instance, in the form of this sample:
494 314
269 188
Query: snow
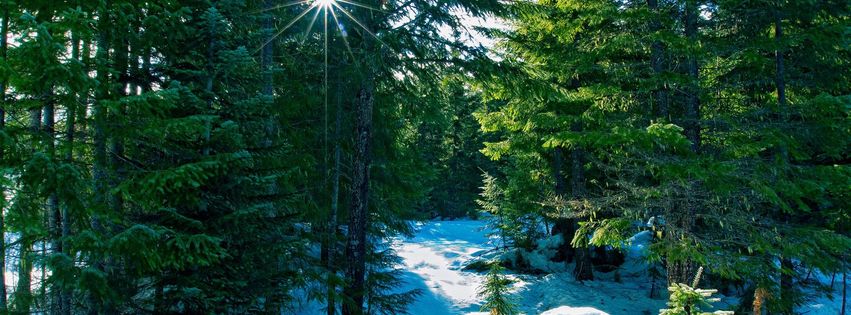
825 304
435 256
567 310
434 259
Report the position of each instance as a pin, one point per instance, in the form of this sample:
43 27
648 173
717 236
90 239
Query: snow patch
567 310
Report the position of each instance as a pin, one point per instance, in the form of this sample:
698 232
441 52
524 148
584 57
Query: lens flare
325 7
324 3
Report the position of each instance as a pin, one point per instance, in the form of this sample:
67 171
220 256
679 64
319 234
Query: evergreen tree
679 122
495 293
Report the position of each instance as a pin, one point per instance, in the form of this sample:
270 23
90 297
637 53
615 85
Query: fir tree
494 292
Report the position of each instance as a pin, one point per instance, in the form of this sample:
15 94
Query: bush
689 300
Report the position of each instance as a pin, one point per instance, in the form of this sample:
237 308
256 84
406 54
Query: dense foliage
200 157
234 156
722 126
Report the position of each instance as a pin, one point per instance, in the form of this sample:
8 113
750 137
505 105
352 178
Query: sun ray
358 22
361 5
312 21
284 29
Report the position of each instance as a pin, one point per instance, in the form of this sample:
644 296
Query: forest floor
433 261
435 256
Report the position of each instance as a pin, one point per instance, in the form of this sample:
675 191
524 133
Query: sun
325 3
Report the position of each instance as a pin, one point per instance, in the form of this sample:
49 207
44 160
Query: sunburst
324 7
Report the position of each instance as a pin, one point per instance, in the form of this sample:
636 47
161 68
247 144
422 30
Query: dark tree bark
681 221
563 226
23 293
787 290
356 240
692 110
53 216
657 62
122 65
331 242
64 222
100 167
583 269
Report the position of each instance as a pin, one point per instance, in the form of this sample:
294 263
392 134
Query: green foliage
495 293
688 300
685 300
734 185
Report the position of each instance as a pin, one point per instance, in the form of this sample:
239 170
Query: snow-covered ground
434 258
433 261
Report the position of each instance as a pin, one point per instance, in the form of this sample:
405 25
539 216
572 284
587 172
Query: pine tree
495 293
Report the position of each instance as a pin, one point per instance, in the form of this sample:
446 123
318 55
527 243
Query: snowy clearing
434 258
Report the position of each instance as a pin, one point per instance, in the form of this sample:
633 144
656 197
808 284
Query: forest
560 157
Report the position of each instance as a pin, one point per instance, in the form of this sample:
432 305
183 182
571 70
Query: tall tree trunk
100 166
681 221
787 290
356 240
692 110
64 223
267 53
23 292
331 242
116 120
4 82
583 269
657 62
53 215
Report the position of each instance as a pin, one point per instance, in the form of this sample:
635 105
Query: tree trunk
331 243
682 219
583 269
657 62
122 52
692 110
562 226
23 292
53 216
100 162
787 289
356 240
